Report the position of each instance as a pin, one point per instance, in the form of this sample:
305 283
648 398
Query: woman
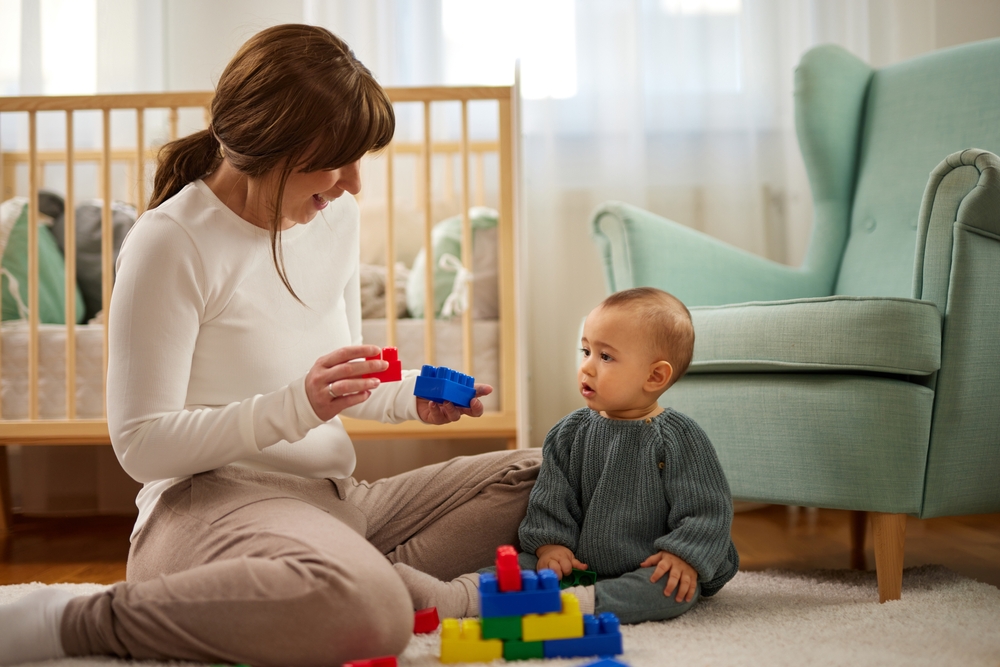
234 322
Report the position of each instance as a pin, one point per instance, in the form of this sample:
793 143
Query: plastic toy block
565 624
464 643
387 661
606 662
601 636
395 371
502 627
514 649
578 578
444 384
425 620
539 594
508 571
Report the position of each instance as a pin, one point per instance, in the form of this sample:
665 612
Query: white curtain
683 107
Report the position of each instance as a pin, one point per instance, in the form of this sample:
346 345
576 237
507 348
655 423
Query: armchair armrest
962 193
957 254
639 248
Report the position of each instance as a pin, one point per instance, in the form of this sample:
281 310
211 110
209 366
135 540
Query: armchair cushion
838 333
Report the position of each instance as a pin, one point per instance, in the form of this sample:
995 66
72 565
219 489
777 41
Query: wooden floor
94 549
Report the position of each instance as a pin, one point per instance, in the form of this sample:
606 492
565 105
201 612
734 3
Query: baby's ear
660 374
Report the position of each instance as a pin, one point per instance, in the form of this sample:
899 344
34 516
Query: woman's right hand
334 383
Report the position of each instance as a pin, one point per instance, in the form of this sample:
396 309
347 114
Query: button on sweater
617 491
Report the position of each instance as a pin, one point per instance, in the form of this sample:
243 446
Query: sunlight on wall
69 47
484 38
701 6
10 46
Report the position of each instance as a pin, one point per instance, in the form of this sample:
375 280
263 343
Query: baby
628 489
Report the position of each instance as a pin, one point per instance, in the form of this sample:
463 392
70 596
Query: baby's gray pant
631 597
273 570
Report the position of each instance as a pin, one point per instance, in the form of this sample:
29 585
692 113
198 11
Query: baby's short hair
668 320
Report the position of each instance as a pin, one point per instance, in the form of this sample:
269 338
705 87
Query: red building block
425 620
508 571
395 371
387 661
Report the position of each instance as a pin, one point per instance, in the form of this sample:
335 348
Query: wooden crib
441 165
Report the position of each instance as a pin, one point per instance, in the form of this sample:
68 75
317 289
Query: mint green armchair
869 377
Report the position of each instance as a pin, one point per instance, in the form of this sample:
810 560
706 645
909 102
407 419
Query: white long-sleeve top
209 351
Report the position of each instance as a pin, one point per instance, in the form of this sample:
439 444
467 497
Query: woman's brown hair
293 97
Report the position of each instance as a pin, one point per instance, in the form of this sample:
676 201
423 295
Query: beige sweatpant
274 570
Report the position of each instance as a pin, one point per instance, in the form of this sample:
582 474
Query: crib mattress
89 362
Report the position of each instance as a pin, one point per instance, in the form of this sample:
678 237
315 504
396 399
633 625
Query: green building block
515 649
502 627
578 578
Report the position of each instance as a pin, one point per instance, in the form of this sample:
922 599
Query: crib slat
32 265
173 116
428 247
69 251
107 240
466 244
140 160
480 180
505 260
390 249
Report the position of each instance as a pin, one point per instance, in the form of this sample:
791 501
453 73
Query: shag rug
774 618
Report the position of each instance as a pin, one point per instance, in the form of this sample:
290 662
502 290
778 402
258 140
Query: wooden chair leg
859 525
889 536
5 507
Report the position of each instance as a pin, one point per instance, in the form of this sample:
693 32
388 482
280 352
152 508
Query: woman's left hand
444 413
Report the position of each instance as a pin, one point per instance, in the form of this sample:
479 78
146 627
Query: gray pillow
88 246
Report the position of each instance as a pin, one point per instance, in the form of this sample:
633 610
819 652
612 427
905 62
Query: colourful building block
464 643
444 384
539 594
578 578
395 371
502 627
514 649
559 625
387 661
601 636
508 571
606 662
425 620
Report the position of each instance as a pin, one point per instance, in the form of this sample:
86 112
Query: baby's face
616 361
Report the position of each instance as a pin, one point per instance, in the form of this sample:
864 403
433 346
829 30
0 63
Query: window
484 38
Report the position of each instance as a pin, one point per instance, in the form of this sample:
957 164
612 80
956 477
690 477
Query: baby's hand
559 558
682 576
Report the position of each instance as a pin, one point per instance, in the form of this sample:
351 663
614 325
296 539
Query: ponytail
182 161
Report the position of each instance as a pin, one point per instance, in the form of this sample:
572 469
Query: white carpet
778 618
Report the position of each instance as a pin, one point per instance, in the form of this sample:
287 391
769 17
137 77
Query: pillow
88 245
51 268
446 238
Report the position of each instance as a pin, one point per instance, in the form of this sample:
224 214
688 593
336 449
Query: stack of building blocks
395 371
440 384
532 619
425 620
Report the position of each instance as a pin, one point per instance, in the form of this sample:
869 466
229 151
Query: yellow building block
465 643
566 624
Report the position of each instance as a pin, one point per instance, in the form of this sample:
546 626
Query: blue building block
607 662
539 594
443 384
601 636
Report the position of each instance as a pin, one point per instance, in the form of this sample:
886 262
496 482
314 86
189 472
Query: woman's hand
334 383
444 413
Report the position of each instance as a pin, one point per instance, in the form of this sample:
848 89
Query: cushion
835 334
51 268
446 238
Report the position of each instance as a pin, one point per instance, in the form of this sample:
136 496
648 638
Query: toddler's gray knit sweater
617 491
